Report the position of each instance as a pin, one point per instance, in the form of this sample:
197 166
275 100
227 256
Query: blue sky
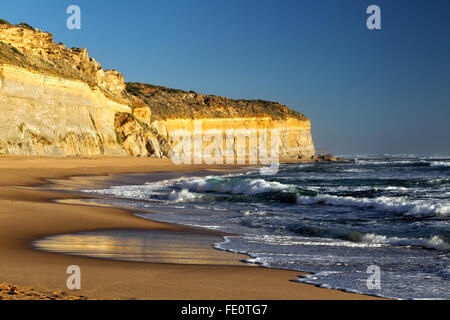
365 91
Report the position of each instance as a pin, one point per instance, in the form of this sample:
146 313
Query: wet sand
28 214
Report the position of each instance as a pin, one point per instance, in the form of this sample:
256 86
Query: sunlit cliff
58 101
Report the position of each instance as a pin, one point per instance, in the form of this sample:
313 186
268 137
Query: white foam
298 241
241 186
438 243
254 213
440 164
387 162
392 188
435 242
394 241
139 192
183 195
384 204
427 162
255 261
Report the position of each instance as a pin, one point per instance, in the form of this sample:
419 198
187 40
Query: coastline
29 214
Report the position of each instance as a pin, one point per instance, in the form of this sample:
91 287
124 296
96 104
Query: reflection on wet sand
141 246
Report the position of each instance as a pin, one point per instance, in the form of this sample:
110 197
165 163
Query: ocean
334 220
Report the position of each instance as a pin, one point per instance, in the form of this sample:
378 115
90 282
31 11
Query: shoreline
29 214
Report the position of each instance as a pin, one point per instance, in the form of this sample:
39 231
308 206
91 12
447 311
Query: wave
439 164
190 189
408 162
135 192
290 241
235 185
434 242
437 242
365 241
388 162
383 204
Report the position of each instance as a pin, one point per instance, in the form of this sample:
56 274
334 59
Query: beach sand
27 214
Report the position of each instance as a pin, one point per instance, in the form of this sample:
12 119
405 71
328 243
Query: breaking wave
435 242
384 204
235 185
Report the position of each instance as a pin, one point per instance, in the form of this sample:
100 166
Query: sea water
333 220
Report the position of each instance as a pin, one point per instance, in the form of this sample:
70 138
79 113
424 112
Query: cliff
58 101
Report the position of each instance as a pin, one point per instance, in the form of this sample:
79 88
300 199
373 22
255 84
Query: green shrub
132 88
25 26
119 140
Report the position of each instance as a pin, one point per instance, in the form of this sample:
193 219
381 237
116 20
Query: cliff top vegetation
167 103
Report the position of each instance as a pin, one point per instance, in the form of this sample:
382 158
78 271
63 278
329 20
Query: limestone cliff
173 109
59 101
55 101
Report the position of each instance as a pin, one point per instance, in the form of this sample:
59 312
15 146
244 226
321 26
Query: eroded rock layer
60 102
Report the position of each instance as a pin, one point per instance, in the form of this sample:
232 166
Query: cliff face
294 135
46 115
58 101
35 50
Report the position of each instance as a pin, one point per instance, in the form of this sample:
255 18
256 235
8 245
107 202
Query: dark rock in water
321 157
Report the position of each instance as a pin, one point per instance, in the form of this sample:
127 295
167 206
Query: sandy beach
27 214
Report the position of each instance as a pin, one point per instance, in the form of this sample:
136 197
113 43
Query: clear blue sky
381 91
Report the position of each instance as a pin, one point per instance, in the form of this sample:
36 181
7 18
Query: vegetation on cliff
167 103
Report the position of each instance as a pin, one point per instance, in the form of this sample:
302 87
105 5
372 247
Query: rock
143 114
58 101
11 290
321 157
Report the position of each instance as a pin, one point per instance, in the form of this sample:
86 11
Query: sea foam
384 204
231 185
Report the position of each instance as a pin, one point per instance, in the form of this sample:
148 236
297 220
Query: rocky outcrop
58 101
138 135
